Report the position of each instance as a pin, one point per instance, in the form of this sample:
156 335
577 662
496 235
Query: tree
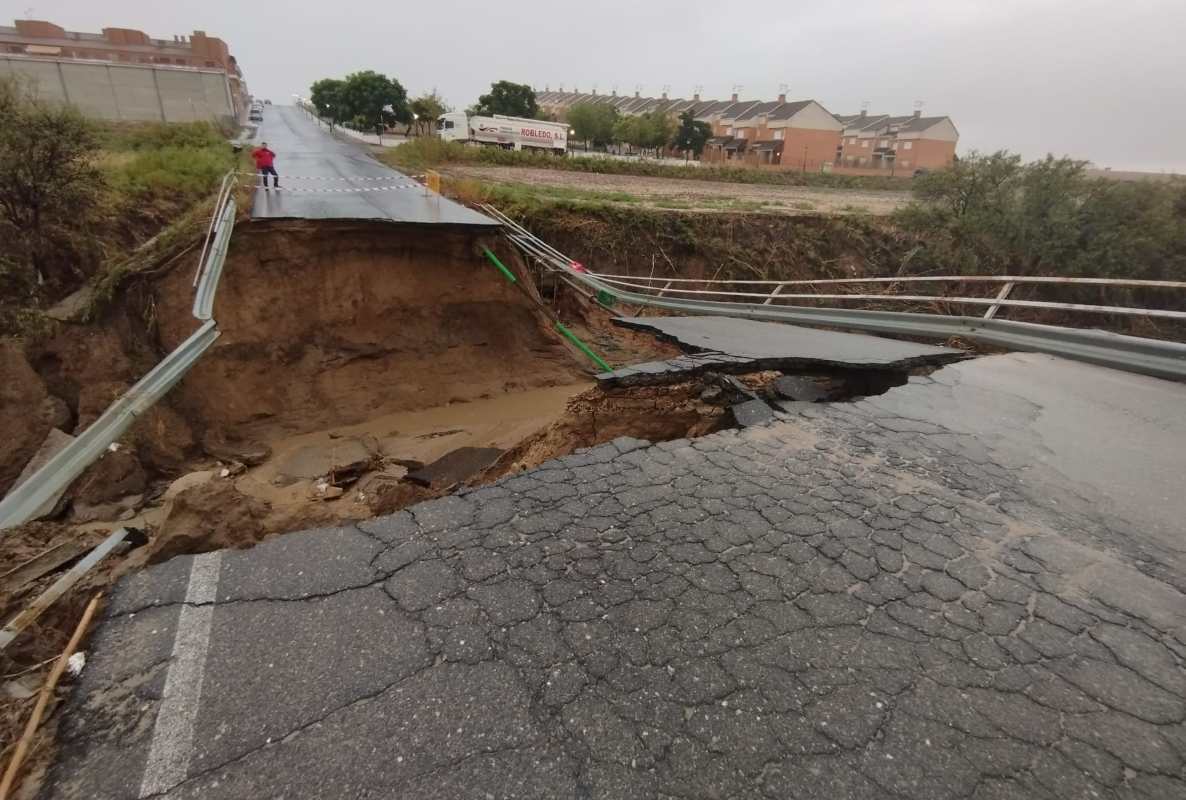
511 99
367 95
646 131
360 99
691 135
593 122
326 95
426 110
49 189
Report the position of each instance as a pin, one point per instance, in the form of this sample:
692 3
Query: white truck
510 133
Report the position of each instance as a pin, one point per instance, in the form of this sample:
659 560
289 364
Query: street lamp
379 131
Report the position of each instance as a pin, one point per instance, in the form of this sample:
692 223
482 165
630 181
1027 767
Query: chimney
594 91
735 97
613 93
917 113
665 95
864 112
637 93
782 97
696 97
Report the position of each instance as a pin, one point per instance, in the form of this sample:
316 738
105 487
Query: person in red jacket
264 161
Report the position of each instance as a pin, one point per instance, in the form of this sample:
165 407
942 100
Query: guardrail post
773 294
1001 295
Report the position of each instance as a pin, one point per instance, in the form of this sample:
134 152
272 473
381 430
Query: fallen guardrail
1155 357
38 494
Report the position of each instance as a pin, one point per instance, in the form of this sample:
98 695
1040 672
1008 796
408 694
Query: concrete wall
128 91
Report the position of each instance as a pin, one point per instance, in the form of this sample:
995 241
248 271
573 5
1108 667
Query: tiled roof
757 110
712 107
921 123
788 110
736 110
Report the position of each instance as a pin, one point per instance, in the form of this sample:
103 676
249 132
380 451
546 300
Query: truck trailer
510 133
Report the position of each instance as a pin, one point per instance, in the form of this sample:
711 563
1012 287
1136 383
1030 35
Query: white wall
127 91
815 117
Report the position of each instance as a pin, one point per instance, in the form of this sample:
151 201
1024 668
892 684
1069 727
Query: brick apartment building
40 39
798 135
880 143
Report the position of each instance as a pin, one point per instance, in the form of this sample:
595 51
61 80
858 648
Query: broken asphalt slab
752 412
847 602
455 466
741 345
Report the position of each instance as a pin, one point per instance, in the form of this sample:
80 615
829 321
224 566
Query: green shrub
187 173
124 136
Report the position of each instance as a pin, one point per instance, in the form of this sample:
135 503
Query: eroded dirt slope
333 324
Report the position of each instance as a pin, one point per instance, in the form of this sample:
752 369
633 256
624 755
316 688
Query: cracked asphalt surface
902 597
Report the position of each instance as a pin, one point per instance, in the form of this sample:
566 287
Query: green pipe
584 348
506 273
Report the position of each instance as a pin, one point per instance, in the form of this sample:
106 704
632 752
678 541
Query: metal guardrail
31 498
23 502
1132 353
646 284
210 270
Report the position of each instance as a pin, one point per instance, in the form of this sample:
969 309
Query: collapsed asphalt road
862 600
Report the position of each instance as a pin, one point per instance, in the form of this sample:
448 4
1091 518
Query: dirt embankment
328 324
721 246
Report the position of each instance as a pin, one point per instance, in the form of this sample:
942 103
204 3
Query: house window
907 145
729 132
777 134
905 163
884 143
865 143
852 140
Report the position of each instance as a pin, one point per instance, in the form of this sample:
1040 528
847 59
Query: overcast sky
1097 79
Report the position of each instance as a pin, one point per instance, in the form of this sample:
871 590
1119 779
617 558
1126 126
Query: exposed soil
327 324
698 196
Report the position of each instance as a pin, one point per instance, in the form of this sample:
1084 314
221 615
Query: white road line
173 735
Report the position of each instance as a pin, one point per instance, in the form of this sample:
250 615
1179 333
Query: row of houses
795 134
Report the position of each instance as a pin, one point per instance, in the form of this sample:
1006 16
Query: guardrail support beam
773 294
1001 295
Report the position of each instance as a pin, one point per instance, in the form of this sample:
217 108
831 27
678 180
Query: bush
184 173
126 136
49 191
992 214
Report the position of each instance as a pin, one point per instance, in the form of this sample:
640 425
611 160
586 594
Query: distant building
797 134
40 41
896 144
